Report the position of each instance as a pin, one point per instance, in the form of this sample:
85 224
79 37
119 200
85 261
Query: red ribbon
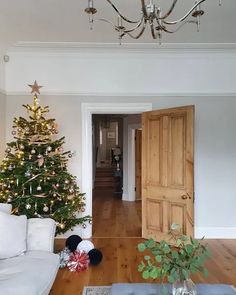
78 261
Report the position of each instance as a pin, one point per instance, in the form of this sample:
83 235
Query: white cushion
40 234
13 235
30 274
5 208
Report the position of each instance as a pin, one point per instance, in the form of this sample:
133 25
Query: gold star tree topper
35 87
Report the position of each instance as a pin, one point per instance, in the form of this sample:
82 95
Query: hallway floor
113 217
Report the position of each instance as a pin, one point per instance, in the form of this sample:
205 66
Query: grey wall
2 124
215 146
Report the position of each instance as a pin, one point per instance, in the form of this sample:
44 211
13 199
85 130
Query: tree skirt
99 290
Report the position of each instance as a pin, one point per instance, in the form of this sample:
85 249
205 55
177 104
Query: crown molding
55 48
126 94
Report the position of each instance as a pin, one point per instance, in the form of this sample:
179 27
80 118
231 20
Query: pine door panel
167 171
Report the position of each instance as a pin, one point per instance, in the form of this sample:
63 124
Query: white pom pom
85 246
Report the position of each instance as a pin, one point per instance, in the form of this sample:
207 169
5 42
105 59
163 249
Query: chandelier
152 16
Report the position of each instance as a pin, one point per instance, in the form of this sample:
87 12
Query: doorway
167 168
87 110
114 213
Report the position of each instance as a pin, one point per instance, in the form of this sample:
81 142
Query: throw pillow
12 234
41 233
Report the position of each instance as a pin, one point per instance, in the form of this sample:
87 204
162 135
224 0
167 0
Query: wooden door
167 171
138 164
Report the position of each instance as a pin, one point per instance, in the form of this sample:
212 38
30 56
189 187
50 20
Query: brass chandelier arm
144 10
154 35
117 28
185 16
170 10
180 26
136 27
121 15
140 33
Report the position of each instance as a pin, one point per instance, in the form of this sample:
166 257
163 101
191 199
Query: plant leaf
141 247
171 279
151 244
175 226
185 273
178 242
166 249
146 257
166 266
141 267
145 275
184 238
175 255
189 248
154 273
158 258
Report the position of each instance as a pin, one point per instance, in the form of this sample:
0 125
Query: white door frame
131 161
87 109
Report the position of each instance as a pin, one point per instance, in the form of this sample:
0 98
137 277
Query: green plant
173 261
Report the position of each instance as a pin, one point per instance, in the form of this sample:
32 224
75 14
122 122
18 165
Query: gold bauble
62 225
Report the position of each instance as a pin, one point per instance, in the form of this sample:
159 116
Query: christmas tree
33 174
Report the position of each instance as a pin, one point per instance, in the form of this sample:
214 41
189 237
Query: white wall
2 71
127 178
2 124
129 72
154 76
2 105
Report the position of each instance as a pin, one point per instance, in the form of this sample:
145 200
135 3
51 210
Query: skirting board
125 197
207 232
215 232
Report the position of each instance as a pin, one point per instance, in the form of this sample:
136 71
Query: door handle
185 197
189 196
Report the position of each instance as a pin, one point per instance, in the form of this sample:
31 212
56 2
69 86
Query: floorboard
120 265
113 217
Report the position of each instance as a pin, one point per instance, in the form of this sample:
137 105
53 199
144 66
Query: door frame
131 161
87 110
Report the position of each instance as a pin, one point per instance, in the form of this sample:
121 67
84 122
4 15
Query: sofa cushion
40 234
30 274
6 208
13 235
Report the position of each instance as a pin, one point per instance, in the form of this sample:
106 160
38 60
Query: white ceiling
65 21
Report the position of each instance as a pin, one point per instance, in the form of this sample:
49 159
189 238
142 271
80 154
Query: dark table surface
154 289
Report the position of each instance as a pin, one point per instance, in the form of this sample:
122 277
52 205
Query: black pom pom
72 242
95 256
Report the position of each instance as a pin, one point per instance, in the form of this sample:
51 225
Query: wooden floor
113 217
114 224
120 265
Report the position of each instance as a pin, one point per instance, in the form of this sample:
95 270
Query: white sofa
33 272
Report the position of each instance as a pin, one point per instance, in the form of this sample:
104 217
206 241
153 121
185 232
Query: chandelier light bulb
91 11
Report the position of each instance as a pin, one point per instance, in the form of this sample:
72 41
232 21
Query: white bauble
85 246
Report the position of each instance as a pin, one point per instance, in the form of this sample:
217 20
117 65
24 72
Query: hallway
113 217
